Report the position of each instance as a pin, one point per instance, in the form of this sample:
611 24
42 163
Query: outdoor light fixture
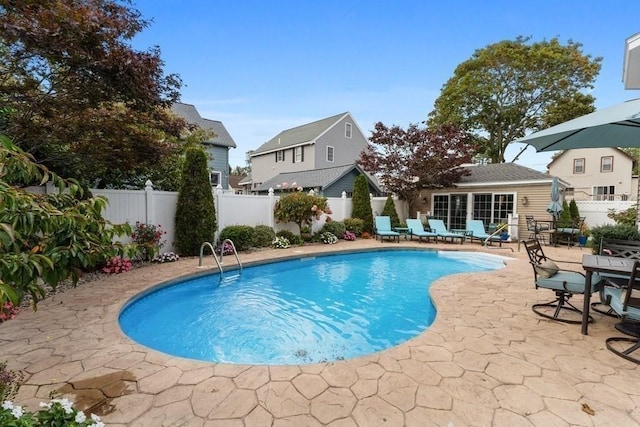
525 201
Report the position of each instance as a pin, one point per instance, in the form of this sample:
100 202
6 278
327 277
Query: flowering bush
117 265
58 412
10 382
166 257
348 235
8 311
328 238
148 239
225 249
280 242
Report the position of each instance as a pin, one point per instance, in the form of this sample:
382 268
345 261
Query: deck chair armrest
565 262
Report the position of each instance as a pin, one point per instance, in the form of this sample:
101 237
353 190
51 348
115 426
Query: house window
329 153
493 207
347 130
214 177
604 193
452 209
298 155
606 164
280 156
578 166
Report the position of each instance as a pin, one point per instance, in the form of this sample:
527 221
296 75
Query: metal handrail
213 252
233 246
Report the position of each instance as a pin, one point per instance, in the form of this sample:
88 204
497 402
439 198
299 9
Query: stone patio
487 360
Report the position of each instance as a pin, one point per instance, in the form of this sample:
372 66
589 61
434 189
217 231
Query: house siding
345 183
346 150
582 184
217 161
265 167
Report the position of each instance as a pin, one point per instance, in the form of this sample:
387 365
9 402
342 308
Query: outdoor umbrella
617 126
555 207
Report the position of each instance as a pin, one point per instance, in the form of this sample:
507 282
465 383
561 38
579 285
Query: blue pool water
307 310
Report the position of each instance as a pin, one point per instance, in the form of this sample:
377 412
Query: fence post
150 214
344 205
271 207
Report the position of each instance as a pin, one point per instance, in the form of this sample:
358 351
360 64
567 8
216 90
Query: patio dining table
601 264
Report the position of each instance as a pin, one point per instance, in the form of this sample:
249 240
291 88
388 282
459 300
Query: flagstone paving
487 360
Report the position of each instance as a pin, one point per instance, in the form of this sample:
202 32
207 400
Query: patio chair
615 248
417 229
565 284
623 296
383 229
571 233
438 227
536 229
476 231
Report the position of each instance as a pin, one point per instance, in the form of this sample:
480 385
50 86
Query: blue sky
262 67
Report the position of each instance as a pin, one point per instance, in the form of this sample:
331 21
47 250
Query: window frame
602 164
213 173
280 156
348 130
298 156
331 149
575 166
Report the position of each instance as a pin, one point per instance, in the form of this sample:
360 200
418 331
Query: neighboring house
324 144
490 193
595 173
327 182
217 147
235 183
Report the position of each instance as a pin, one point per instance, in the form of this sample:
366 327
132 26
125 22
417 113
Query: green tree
298 207
47 238
362 203
406 161
513 86
77 96
573 210
565 220
195 221
390 211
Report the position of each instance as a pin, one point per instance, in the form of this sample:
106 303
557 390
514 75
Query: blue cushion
568 230
570 281
615 296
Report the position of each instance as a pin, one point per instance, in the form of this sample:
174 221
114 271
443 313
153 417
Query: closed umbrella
555 207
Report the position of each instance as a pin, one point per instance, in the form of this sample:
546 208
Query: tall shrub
195 213
573 210
362 203
390 211
565 220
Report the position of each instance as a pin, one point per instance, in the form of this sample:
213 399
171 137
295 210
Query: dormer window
347 130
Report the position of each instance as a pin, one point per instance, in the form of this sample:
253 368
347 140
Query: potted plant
584 235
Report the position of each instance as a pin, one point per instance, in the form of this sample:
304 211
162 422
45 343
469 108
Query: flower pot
504 236
582 240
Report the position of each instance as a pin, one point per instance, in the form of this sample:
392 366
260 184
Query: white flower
66 404
7 405
96 421
17 411
80 417
45 405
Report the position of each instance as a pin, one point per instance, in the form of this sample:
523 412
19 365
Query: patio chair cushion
570 281
546 269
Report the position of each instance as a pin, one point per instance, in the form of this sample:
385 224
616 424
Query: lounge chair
476 231
565 284
438 227
383 229
417 229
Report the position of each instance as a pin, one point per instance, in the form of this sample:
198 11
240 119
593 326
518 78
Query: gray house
320 145
327 182
217 147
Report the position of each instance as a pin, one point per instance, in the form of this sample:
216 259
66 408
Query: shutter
293 155
302 154
276 153
283 151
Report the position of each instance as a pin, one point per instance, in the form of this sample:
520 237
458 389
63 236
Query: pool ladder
219 261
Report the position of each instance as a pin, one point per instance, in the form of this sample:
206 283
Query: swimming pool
307 310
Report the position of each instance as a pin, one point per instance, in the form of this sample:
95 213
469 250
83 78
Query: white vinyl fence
159 208
595 212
